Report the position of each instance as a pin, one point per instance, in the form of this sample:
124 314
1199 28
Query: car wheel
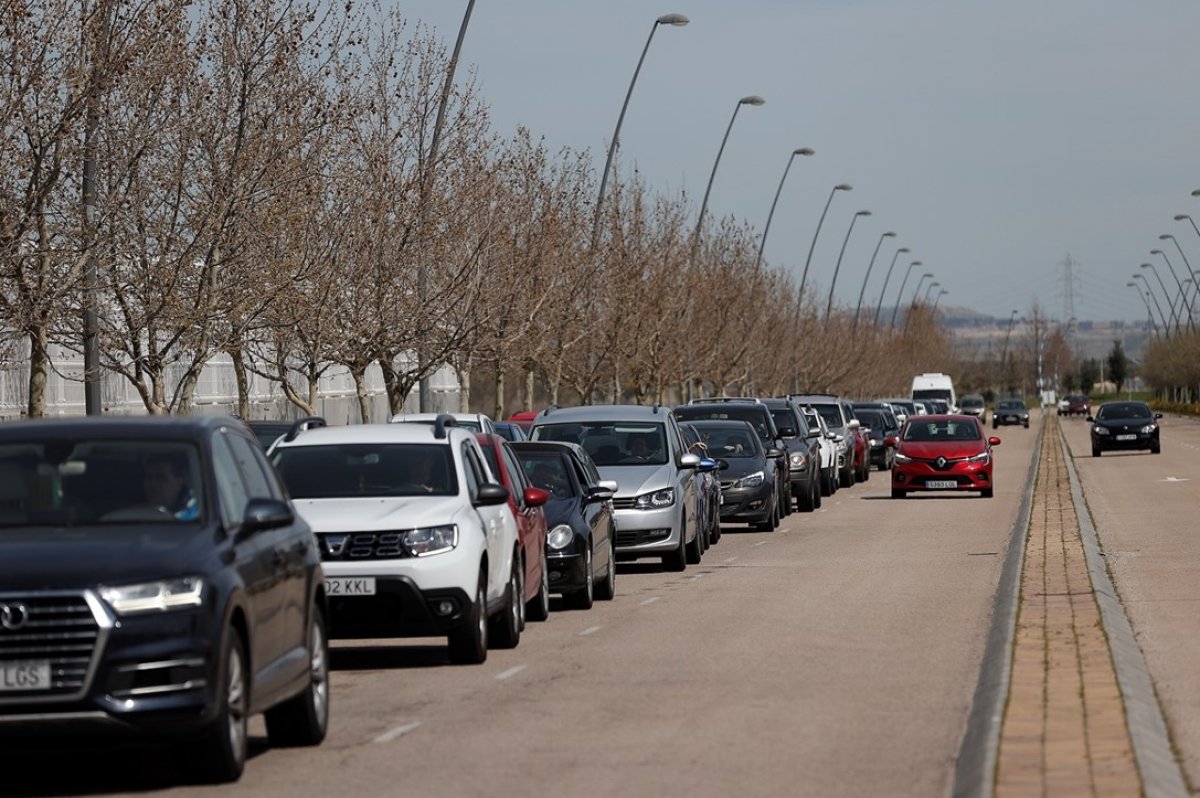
1155 448
987 493
899 494
468 643
816 495
677 559
695 549
846 478
1095 451
783 495
538 607
506 626
304 718
582 599
804 501
606 588
219 756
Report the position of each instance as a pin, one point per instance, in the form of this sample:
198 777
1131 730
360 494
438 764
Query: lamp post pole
1186 303
751 100
900 293
1146 302
913 301
813 245
677 20
938 299
1004 350
1153 296
805 151
886 279
929 291
862 291
1163 286
1180 217
838 267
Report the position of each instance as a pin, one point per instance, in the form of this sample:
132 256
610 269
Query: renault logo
13 616
941 462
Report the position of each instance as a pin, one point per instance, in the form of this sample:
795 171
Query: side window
516 474
231 490
676 439
257 480
472 470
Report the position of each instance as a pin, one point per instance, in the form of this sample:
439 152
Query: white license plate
350 586
29 675
941 484
1127 437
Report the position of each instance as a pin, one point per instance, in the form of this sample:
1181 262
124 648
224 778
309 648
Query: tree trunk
39 368
501 384
243 385
360 388
529 389
464 383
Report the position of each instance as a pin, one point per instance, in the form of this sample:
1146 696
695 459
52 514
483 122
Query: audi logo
13 616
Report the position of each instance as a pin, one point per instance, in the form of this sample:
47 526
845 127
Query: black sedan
1010 411
581 539
748 479
1124 425
167 553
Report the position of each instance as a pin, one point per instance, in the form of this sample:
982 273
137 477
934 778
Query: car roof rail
440 424
724 399
655 407
310 422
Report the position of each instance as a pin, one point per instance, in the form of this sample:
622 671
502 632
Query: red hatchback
526 502
942 453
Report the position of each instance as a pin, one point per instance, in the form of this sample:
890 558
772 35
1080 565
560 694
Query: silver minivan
641 449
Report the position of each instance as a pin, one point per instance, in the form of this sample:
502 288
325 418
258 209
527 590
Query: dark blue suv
154 579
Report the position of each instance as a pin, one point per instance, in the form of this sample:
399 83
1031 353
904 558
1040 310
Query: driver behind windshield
164 482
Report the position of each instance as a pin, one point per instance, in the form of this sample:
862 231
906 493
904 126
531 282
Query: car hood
70 558
378 513
1123 423
634 480
561 511
741 466
932 450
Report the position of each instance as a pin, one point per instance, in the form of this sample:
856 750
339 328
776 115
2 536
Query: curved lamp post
838 266
676 20
1182 294
938 298
751 100
805 151
862 291
917 290
929 290
1163 286
1153 296
1146 302
900 293
813 245
886 279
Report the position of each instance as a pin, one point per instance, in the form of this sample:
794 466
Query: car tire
583 598
506 625
1095 451
606 588
987 493
899 494
816 494
538 607
219 755
1155 448
714 525
695 550
846 478
804 501
468 644
677 559
303 719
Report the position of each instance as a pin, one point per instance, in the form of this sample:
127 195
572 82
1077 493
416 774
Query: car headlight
983 458
431 540
752 480
560 537
1146 430
874 441
169 594
656 500
841 445
901 458
798 460
1101 430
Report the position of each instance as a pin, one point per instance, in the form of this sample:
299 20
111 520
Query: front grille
729 484
625 503
343 546
639 536
58 629
945 465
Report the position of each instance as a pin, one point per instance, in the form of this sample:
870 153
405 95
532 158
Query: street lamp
813 245
1146 302
867 276
886 279
1007 335
838 266
1150 291
900 293
751 100
676 20
929 290
1183 295
1163 286
917 290
938 298
805 151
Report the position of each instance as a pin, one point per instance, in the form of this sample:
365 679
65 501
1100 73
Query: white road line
650 600
397 732
760 543
513 671
590 630
695 576
731 559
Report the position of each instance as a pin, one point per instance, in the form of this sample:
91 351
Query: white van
935 386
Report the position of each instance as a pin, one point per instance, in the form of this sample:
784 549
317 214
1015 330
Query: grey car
642 450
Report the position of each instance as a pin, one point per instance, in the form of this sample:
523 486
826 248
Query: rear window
611 443
757 416
367 469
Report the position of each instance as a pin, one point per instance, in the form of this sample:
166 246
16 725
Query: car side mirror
689 460
1158 415
993 441
598 493
535 497
266 514
836 438
490 494
774 454
1090 418
787 432
611 484
722 464
813 433
890 440
707 464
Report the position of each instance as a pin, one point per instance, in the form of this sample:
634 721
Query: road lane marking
511 672
397 732
694 577
590 630
650 600
760 543
731 559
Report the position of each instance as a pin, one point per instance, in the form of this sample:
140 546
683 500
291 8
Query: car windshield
548 470
942 431
831 414
367 469
783 418
972 401
611 443
731 442
1132 410
871 418
1011 406
716 412
87 481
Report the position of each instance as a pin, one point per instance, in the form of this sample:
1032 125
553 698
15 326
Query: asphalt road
835 656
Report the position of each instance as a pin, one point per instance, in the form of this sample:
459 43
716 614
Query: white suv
417 538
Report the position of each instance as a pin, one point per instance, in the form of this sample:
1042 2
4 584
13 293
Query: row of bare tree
262 189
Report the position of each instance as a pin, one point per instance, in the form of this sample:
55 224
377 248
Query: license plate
29 675
941 484
350 586
1127 437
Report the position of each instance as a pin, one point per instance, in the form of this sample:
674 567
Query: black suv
803 445
759 416
168 554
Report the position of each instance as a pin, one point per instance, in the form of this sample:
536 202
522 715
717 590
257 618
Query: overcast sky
993 138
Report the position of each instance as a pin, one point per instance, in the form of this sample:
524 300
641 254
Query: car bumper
1001 421
1110 442
647 532
920 477
746 504
567 570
